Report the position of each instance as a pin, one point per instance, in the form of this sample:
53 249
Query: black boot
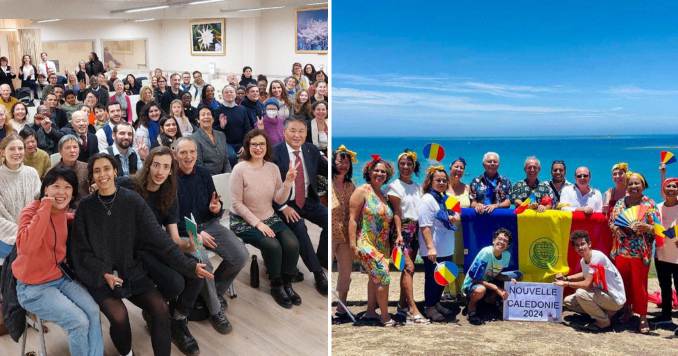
291 294
279 294
183 338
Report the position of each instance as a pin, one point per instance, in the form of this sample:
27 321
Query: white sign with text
533 302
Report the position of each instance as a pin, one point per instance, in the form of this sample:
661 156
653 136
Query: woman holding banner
369 242
460 191
436 237
404 196
632 247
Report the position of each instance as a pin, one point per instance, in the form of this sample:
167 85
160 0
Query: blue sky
494 68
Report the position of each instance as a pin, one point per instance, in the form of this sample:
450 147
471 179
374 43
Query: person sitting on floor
599 289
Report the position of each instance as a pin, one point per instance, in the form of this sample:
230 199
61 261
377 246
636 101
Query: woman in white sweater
20 184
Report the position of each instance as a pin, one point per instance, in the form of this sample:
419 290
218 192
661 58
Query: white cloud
351 99
634 91
447 84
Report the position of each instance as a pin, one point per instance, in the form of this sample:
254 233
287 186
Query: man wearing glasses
490 190
581 197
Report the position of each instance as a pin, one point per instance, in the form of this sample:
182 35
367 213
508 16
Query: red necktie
299 185
84 141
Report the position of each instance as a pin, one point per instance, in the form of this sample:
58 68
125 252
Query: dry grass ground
499 337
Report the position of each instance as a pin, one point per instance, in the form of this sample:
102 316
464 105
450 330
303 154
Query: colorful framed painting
312 32
208 37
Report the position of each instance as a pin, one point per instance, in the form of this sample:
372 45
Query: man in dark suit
89 145
303 202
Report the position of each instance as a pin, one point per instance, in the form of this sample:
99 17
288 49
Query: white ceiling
37 10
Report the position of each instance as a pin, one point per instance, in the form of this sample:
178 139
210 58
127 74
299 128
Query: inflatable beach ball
445 273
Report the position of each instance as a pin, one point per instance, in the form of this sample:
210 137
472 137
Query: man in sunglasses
580 196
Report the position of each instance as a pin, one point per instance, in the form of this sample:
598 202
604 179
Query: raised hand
223 120
215 205
291 173
260 123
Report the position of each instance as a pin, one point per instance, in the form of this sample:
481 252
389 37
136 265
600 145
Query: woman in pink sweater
255 185
43 288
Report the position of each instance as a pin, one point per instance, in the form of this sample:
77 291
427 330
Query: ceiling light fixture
144 20
142 9
262 8
317 3
200 2
50 20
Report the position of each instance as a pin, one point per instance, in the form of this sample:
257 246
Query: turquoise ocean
599 153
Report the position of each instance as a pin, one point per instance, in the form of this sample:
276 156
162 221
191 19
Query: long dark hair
96 157
167 190
164 139
283 94
335 170
143 117
66 174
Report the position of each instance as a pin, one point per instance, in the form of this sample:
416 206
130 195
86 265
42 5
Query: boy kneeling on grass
599 289
485 276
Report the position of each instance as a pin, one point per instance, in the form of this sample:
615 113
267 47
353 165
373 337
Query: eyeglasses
262 144
580 176
442 181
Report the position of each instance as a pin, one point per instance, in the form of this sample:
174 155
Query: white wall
264 42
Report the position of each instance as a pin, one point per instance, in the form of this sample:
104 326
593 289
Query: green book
192 229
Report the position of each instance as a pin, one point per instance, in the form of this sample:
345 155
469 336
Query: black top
94 67
103 243
167 99
195 192
253 110
6 78
237 124
246 81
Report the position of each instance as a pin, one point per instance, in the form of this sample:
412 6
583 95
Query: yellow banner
542 244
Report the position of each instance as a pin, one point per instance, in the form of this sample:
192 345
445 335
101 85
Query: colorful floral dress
626 242
373 246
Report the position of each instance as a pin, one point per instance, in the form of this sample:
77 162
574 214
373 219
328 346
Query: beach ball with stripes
445 273
434 151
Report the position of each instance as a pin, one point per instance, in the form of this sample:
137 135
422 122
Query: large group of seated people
96 195
370 219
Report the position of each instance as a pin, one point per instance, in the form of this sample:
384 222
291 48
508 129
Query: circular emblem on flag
543 252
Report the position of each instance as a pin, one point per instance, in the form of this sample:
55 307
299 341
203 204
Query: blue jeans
70 306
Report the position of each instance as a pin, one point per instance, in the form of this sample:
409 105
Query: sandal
417 319
389 324
644 327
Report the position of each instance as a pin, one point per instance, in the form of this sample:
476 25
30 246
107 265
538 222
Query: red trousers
634 274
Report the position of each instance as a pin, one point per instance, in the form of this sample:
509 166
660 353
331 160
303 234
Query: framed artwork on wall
128 54
208 37
311 33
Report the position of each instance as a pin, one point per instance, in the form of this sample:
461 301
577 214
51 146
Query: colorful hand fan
445 273
434 151
525 204
398 258
453 204
667 157
631 215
